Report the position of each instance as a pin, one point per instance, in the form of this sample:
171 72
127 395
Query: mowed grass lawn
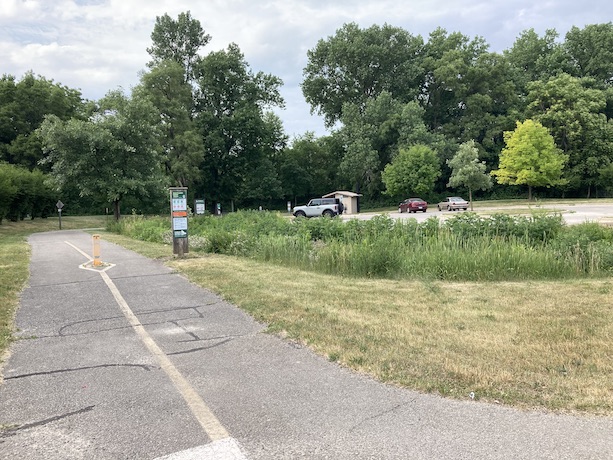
545 345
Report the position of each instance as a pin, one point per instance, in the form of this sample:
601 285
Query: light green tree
530 158
468 171
412 172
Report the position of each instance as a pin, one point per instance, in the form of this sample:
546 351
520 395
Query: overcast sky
99 45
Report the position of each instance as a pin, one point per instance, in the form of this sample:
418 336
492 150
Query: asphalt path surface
135 362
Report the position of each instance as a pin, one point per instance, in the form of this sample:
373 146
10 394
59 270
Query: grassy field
544 345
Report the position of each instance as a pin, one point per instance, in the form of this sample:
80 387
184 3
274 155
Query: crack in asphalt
195 308
76 369
193 350
380 414
69 283
13 430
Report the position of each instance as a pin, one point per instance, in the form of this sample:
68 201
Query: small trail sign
59 205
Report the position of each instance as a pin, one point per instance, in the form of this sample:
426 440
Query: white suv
319 207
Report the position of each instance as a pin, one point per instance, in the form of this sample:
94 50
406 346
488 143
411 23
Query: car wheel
300 214
424 210
400 210
449 208
439 208
328 213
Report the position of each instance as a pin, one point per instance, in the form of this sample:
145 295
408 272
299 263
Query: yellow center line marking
209 423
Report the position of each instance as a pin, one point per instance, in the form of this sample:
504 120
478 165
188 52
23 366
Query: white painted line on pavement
209 423
226 449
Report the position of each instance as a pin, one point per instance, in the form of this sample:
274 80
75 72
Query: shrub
465 247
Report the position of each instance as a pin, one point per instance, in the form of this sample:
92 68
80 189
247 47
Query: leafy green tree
574 112
23 106
309 166
467 171
590 51
357 64
182 147
178 41
447 59
8 189
530 158
237 134
371 137
23 193
537 58
114 153
412 172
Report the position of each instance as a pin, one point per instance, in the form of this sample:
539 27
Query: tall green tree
371 138
232 105
530 158
414 171
114 153
178 40
467 171
182 147
23 106
357 64
309 166
590 52
447 59
537 58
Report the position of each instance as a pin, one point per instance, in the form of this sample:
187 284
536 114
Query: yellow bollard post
96 240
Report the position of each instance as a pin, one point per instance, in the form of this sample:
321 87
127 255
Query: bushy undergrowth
465 247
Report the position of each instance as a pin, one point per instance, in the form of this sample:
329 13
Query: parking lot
573 213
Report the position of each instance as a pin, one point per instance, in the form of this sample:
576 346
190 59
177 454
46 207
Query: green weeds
466 247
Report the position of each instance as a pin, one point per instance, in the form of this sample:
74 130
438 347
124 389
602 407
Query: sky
100 45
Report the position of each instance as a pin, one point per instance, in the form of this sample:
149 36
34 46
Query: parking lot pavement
135 362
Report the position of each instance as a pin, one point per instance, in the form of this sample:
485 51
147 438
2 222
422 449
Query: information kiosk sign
178 211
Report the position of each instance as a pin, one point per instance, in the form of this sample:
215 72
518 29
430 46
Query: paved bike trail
131 361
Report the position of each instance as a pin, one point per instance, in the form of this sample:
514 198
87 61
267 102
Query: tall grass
466 247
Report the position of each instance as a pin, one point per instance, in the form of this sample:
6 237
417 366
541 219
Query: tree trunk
470 198
529 192
116 212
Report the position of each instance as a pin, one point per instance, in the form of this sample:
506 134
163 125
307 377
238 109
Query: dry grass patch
546 344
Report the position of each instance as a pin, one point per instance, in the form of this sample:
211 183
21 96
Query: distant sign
200 207
59 205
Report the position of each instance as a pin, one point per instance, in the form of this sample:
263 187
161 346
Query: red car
412 205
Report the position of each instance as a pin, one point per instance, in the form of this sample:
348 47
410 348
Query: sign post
178 215
59 205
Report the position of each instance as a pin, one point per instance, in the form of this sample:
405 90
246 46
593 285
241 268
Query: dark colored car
412 205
